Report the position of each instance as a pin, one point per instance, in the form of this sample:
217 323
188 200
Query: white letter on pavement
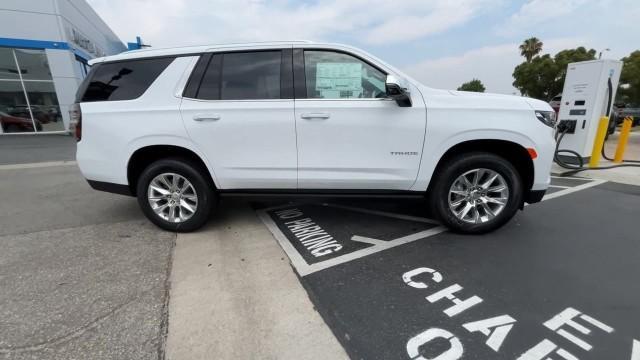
566 318
460 305
453 353
502 325
544 348
635 350
407 277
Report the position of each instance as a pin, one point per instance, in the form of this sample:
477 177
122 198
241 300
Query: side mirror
398 91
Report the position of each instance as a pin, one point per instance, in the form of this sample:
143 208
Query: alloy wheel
172 197
478 196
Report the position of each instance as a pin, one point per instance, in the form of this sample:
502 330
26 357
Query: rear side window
122 80
255 75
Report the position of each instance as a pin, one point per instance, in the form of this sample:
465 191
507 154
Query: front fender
433 152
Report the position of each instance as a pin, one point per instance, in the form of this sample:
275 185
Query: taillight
75 115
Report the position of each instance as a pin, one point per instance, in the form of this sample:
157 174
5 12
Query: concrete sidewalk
82 274
626 175
234 295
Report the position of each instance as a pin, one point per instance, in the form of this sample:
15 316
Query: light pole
600 55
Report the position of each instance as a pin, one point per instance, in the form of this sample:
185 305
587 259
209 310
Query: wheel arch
513 152
144 156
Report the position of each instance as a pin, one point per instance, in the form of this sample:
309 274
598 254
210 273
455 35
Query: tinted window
333 75
193 84
210 85
123 80
250 75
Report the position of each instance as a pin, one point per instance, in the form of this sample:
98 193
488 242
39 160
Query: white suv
179 127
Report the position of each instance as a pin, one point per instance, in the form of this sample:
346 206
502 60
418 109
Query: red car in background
13 124
555 103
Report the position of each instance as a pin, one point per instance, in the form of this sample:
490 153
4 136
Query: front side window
123 80
334 75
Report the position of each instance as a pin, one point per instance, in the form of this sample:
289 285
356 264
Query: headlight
547 117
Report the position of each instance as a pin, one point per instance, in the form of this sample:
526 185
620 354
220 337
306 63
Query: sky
442 43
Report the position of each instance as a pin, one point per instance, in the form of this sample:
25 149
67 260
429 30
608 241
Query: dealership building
44 49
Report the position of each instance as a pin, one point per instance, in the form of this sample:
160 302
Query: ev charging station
589 90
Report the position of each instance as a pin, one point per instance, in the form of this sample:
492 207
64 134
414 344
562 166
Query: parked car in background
41 115
14 124
179 127
622 111
555 103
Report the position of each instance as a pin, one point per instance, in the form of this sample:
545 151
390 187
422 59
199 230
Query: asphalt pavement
558 281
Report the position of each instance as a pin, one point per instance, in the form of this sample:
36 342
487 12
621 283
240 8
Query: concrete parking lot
84 275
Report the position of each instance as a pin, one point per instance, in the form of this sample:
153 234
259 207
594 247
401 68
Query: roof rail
260 42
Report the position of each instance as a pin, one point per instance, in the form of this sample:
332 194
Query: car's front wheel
476 193
175 195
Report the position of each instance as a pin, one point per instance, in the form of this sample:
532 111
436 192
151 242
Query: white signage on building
84 43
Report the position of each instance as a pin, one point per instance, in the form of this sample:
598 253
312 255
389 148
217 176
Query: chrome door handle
315 116
206 117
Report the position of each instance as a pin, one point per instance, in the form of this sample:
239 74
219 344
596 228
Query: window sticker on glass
339 80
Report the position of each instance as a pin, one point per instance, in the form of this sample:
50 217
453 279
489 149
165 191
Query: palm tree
530 48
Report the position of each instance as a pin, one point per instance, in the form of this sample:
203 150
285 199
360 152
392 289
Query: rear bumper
110 187
534 196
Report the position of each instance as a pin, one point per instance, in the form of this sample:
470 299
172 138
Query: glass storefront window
28 100
44 105
8 68
14 111
33 64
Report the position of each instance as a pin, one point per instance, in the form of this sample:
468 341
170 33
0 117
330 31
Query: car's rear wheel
476 193
175 195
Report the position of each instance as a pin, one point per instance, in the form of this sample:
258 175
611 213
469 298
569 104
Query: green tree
474 85
565 57
629 91
543 77
530 48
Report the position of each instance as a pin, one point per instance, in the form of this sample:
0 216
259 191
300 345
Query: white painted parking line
573 189
559 187
310 269
570 178
37 165
303 268
296 259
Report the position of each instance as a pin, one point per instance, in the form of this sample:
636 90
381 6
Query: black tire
195 175
12 128
439 193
